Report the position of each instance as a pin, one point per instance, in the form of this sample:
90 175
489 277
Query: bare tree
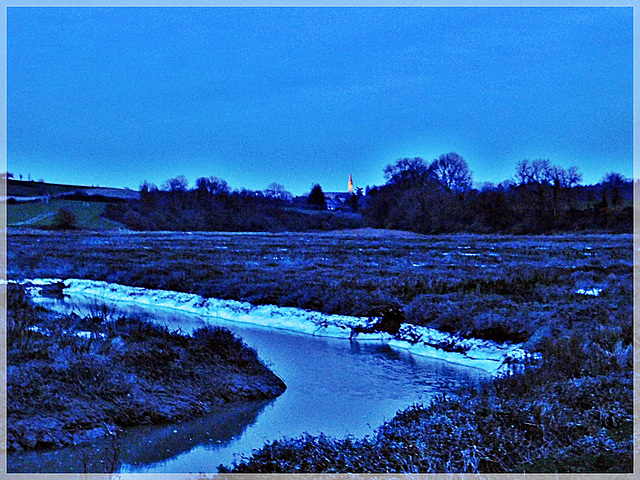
561 178
562 181
452 172
277 191
178 184
574 177
542 172
146 187
612 183
213 185
407 170
536 171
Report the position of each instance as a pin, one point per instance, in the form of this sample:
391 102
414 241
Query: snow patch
593 291
33 287
79 333
35 281
421 264
495 358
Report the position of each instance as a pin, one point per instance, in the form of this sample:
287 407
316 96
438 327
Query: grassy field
40 214
572 414
466 283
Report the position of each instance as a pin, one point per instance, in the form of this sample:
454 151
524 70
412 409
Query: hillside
35 204
28 189
42 214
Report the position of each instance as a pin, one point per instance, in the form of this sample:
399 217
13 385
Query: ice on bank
495 358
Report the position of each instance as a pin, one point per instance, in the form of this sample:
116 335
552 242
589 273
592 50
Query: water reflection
150 445
145 446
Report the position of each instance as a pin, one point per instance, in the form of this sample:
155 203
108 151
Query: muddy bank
72 380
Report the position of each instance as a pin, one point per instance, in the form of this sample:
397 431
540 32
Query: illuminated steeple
350 188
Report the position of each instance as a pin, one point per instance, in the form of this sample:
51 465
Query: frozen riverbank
492 357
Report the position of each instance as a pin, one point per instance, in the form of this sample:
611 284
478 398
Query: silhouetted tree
544 194
533 172
562 181
146 187
212 185
278 192
316 198
612 184
355 200
407 171
178 184
452 172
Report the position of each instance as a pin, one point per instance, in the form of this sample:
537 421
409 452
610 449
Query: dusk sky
114 96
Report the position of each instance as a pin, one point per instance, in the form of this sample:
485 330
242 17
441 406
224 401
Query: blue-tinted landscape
319 240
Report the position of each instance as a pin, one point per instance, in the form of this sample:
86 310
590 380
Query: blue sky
114 96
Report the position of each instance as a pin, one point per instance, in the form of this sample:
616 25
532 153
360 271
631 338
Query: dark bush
65 219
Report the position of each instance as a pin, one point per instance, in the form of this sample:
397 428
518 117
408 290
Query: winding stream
334 386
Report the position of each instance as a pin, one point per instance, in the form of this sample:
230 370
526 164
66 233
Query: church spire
350 187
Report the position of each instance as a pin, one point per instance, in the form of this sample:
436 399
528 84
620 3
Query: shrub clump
65 219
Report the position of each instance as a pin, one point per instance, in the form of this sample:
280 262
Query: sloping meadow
568 297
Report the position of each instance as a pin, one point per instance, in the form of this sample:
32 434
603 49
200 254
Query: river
334 386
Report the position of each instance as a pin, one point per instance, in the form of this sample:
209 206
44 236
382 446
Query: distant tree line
213 206
437 197
419 196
